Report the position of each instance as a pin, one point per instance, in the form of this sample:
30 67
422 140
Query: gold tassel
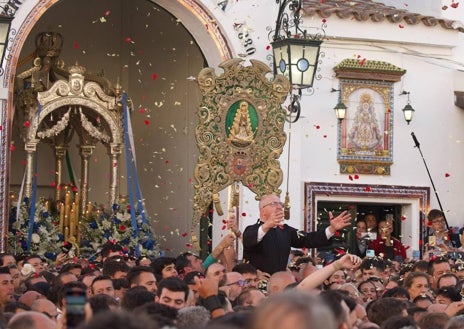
217 204
194 239
287 206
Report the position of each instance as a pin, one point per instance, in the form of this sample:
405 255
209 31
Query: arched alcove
164 97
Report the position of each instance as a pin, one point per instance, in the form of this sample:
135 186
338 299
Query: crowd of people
277 285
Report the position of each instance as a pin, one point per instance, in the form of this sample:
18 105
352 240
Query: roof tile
363 10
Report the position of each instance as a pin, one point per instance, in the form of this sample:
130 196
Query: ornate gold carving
240 131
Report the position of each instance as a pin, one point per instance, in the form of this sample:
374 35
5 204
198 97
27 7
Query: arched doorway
119 40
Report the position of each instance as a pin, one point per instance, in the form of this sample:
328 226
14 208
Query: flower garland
116 227
46 238
96 230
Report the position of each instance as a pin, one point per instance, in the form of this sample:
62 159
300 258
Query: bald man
279 281
31 320
267 244
46 307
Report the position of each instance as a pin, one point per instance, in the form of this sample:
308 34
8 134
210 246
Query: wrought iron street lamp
296 54
408 110
5 23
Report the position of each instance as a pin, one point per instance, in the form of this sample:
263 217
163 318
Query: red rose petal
107 13
324 20
368 189
188 245
53 184
447 175
128 40
244 214
12 148
26 124
141 110
184 234
403 218
401 26
146 122
318 127
76 45
24 162
223 227
356 176
454 4
350 177
154 76
268 47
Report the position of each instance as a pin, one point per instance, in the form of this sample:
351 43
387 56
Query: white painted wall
431 56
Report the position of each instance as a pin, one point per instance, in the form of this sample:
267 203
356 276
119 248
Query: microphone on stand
416 142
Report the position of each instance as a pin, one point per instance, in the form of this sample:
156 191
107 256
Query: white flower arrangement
116 226
46 238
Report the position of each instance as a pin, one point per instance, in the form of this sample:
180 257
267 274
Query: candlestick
61 210
89 210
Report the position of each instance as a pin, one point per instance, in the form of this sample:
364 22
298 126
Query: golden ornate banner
240 132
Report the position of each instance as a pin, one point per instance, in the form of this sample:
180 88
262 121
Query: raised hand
340 222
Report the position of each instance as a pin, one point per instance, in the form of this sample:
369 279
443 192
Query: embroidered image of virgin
241 124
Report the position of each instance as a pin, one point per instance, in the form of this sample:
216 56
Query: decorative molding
368 70
315 189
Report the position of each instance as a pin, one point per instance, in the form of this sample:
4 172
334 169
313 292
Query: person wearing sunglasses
267 244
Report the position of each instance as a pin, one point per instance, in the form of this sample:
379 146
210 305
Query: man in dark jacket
267 244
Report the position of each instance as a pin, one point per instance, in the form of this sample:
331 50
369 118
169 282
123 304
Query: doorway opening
406 205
